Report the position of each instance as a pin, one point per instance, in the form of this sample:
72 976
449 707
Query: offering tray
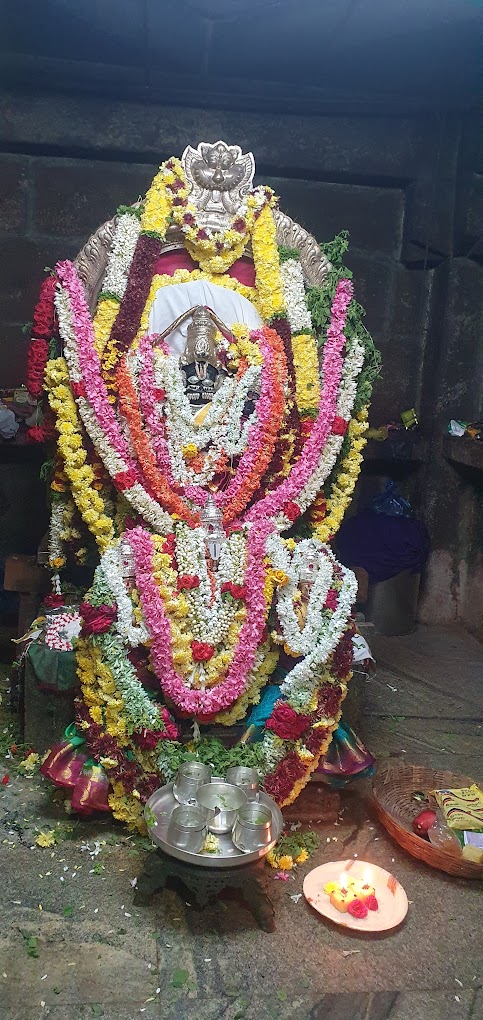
162 803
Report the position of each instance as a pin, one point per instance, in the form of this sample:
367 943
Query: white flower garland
111 567
124 243
221 430
298 314
353 363
301 683
303 640
140 713
56 548
211 614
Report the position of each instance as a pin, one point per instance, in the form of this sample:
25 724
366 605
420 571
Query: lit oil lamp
363 887
353 895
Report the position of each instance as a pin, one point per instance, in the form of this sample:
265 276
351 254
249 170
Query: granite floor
74 945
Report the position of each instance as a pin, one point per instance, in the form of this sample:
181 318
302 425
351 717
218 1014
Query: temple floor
74 947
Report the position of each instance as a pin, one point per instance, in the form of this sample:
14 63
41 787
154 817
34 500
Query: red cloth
242 270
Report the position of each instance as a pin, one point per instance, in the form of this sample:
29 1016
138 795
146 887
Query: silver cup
191 776
220 803
253 827
245 778
187 829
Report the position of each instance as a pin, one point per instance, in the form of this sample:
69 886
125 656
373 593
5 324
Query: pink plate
392 900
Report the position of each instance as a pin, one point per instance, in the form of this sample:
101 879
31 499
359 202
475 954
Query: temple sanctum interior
241 470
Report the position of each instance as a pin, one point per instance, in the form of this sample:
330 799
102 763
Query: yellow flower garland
307 383
105 315
345 482
177 608
271 300
106 705
70 446
157 206
252 694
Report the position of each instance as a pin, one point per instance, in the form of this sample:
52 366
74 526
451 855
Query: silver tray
162 803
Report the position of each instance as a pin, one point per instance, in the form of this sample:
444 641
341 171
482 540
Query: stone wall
404 186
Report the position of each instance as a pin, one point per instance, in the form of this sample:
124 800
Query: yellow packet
462 809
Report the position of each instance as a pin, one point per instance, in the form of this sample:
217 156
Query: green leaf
68 911
97 1010
281 995
179 978
149 817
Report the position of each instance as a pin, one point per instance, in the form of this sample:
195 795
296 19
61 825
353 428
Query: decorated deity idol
207 377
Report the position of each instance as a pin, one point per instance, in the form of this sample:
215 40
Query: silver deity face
219 176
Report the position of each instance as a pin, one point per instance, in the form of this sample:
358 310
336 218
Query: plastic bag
391 502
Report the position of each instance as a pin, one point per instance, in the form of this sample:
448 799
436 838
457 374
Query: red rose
169 544
237 591
292 511
97 619
357 909
188 581
159 393
124 479
332 599
78 389
371 903
148 739
286 722
202 651
339 426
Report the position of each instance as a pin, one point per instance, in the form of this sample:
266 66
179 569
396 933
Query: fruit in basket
423 822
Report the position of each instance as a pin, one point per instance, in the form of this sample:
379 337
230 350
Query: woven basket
393 786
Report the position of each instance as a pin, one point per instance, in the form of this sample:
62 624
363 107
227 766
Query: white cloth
176 298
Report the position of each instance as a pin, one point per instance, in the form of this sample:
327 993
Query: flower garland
214 250
202 703
263 435
307 384
270 291
286 493
74 458
331 597
43 328
92 400
129 407
327 514
331 450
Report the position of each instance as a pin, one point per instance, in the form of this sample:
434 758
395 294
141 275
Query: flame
343 880
367 876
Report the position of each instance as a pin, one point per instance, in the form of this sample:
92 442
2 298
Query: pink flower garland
290 488
89 363
202 704
147 397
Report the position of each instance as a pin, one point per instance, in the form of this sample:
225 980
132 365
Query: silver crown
218 177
